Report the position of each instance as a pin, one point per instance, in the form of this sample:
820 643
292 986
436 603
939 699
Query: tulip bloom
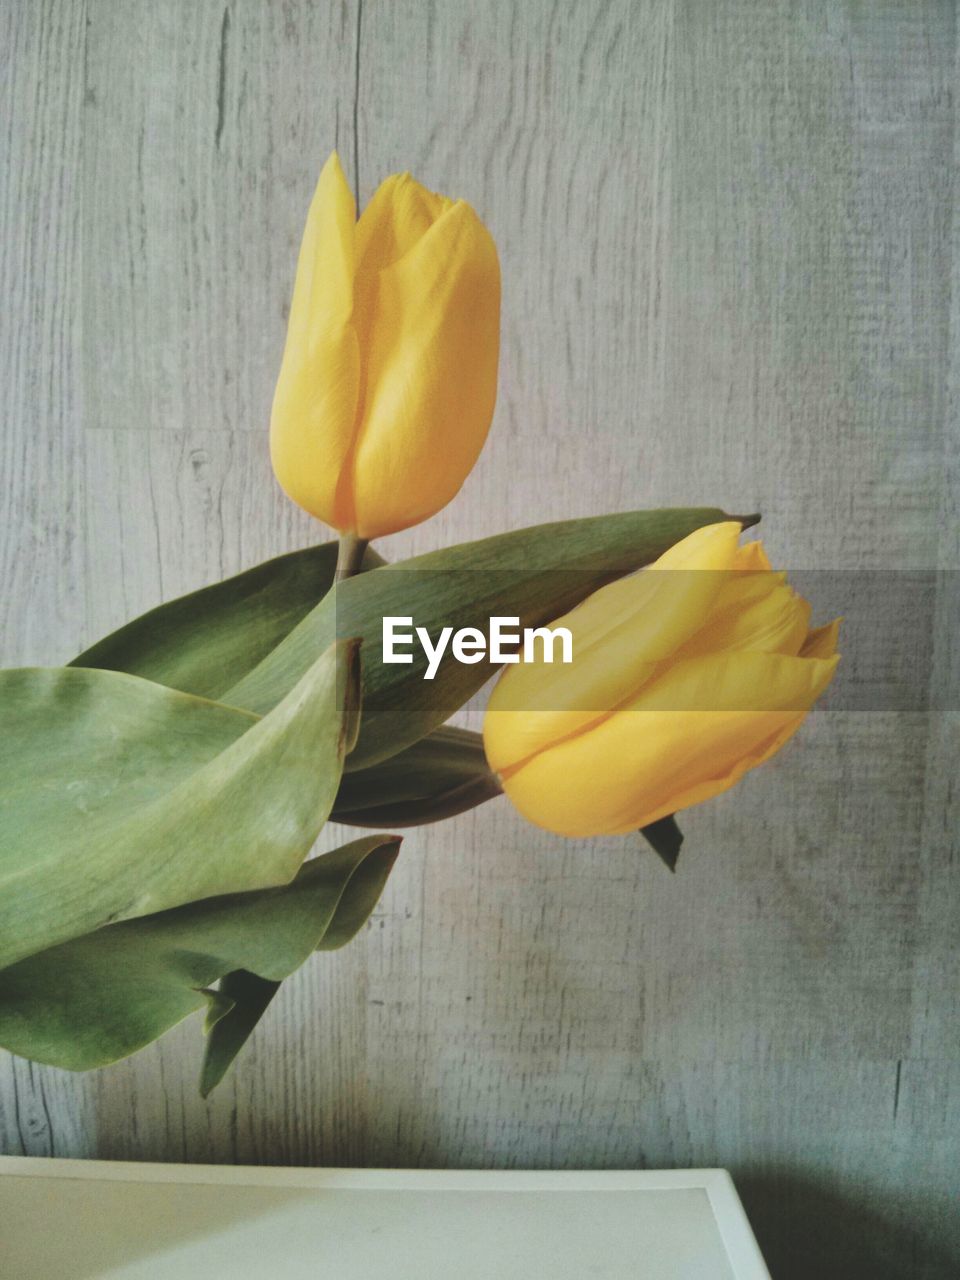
685 675
389 375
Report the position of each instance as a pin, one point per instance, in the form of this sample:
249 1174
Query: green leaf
119 797
102 996
246 997
533 574
251 994
665 839
205 642
443 774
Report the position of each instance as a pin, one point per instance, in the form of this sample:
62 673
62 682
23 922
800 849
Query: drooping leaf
204 642
106 994
120 798
533 574
665 839
442 775
245 998
251 994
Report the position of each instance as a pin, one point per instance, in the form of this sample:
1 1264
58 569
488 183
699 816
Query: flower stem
349 556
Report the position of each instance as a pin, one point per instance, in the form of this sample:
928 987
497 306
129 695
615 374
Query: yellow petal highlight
431 349
688 737
323 286
684 581
315 403
401 211
621 635
755 611
711 547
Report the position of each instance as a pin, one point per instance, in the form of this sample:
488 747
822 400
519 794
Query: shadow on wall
806 1231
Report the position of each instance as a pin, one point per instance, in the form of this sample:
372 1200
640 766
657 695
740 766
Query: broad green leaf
102 996
533 574
443 774
206 641
119 797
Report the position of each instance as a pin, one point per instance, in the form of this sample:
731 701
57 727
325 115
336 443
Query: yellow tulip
389 375
684 676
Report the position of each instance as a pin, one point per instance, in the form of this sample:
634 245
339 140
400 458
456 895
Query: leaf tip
747 522
666 839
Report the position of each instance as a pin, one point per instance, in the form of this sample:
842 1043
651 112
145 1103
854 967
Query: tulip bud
685 675
389 375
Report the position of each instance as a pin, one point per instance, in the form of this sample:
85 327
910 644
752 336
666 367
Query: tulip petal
323 287
431 345
400 213
621 635
752 557
755 611
822 641
315 404
682 584
690 735
711 547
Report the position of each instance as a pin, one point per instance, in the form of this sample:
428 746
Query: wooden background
725 231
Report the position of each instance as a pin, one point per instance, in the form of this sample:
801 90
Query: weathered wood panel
41 455
726 239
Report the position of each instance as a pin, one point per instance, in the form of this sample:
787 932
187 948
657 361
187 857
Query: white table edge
732 1225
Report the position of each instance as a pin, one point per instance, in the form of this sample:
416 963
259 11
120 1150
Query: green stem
349 556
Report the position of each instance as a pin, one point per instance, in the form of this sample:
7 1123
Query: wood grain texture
729 265
41 472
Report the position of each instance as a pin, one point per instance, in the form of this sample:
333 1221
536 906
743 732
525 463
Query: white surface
115 1221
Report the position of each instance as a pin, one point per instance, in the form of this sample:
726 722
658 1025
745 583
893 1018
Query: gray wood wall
726 236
